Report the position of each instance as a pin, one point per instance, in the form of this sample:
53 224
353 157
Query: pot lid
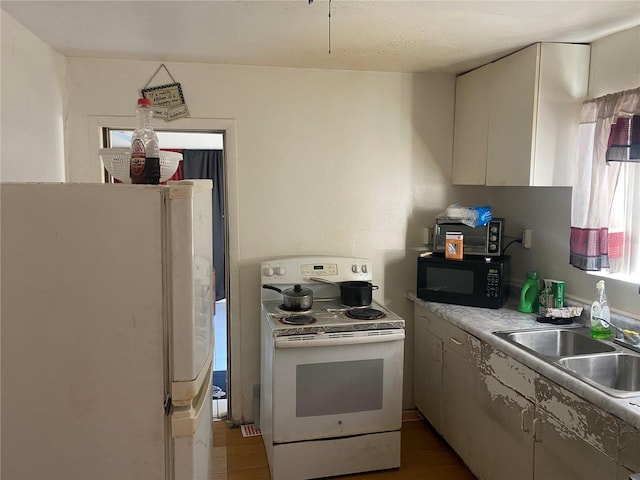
298 291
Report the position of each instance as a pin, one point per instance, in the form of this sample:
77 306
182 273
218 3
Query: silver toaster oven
486 240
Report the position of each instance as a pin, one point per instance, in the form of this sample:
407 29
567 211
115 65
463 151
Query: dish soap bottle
599 312
529 295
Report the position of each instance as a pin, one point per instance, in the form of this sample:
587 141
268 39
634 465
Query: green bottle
529 295
600 316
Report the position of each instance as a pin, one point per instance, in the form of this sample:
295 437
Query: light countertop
482 322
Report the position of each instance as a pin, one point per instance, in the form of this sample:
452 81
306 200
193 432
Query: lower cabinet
508 444
573 438
462 421
629 451
559 453
447 383
427 388
507 421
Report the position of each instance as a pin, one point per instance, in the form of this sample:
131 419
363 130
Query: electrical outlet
526 237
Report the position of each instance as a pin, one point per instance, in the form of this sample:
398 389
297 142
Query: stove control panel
319 269
292 270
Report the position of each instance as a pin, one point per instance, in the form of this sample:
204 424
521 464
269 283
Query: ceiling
393 35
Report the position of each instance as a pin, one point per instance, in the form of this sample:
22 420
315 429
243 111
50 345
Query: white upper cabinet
516 119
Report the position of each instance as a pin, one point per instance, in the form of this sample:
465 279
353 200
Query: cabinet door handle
523 425
536 437
455 342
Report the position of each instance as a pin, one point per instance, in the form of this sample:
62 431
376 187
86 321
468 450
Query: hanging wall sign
167 100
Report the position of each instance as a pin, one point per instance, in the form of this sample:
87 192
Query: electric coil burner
298 320
364 313
292 310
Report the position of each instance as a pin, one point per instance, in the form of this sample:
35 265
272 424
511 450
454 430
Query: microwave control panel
493 283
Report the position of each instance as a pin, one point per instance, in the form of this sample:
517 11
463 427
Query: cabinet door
462 422
564 78
573 437
427 384
560 453
514 88
629 447
471 127
508 422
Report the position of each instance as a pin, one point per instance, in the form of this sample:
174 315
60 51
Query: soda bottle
144 165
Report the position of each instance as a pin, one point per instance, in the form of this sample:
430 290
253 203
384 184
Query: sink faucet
632 340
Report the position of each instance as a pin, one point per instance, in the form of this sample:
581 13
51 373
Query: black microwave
472 281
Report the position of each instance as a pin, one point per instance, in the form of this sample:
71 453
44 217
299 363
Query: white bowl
116 162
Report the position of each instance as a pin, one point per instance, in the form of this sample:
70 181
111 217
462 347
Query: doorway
203 157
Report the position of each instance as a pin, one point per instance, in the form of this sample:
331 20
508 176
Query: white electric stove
331 376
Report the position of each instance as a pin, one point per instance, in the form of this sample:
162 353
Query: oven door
334 385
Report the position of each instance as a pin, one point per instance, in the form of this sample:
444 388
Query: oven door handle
336 339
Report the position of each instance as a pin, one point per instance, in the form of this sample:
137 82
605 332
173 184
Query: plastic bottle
600 310
530 293
144 165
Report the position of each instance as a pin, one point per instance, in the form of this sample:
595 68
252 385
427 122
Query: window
605 213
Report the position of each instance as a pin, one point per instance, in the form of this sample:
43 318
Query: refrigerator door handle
167 404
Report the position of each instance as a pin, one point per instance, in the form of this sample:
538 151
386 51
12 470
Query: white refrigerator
106 331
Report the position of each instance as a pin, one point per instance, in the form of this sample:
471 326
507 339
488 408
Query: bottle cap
532 275
144 101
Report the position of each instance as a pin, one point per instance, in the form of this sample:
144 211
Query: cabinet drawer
509 371
452 337
429 320
460 341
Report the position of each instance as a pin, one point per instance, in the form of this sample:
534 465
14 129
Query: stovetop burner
298 320
364 313
284 309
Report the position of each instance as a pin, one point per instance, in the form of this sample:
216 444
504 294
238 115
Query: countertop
482 322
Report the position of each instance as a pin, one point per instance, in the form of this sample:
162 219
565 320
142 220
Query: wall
615 63
322 162
32 98
615 66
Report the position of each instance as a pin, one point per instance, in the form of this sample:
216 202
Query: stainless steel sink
557 343
617 374
596 362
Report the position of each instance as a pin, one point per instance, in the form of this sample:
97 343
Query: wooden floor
425 456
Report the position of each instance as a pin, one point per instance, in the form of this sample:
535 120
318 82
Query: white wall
615 63
32 98
324 162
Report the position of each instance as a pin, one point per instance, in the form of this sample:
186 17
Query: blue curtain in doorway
210 164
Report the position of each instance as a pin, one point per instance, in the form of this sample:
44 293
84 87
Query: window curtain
210 164
624 141
597 229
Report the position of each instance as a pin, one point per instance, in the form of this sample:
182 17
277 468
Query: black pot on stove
296 299
356 293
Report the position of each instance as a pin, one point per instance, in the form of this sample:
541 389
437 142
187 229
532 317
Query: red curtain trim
616 244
